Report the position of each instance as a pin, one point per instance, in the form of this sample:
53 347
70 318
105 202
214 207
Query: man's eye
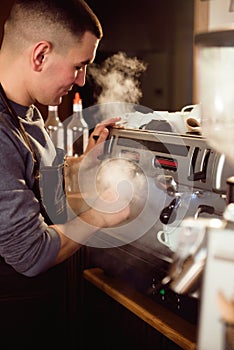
78 68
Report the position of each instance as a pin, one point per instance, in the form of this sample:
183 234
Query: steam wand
203 208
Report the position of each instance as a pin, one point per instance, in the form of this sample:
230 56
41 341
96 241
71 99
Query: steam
126 177
118 78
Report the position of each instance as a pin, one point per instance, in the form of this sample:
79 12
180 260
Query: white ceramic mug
169 238
193 118
193 125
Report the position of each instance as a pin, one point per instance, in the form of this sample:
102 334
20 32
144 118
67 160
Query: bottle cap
77 103
77 99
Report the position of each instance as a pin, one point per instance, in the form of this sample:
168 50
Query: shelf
163 320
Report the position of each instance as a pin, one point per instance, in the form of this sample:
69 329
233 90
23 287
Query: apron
49 188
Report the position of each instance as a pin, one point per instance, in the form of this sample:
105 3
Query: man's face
61 72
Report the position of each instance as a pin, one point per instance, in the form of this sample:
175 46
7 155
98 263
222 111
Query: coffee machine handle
168 214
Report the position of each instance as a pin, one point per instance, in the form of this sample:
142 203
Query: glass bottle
77 129
55 127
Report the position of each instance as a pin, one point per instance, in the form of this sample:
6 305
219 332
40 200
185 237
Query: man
46 48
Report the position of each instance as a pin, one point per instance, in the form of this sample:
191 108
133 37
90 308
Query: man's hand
100 133
94 149
109 210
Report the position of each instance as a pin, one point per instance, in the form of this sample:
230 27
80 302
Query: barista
46 48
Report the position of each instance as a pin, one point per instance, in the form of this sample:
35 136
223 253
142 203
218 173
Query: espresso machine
185 178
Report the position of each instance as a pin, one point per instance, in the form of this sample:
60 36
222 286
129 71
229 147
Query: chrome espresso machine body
188 179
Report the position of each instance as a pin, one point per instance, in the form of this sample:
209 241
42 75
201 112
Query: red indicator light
166 163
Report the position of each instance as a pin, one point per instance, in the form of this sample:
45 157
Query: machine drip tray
144 272
183 305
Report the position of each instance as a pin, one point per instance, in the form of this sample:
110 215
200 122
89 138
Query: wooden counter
163 320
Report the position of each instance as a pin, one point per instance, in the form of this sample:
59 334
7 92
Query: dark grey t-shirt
26 241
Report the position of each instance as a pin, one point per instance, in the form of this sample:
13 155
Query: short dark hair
75 16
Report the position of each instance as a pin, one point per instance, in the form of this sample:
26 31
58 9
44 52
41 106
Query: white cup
193 118
194 111
169 238
193 125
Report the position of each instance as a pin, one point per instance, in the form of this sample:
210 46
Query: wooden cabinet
116 316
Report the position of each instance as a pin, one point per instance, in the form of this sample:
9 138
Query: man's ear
38 54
